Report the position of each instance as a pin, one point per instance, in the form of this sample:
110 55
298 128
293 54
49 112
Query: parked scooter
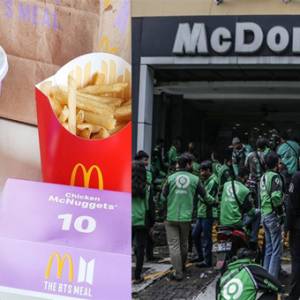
230 240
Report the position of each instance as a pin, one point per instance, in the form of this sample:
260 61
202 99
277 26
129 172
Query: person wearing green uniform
223 171
140 208
216 165
245 280
206 212
255 161
180 191
173 154
158 160
193 152
289 151
271 197
239 154
143 157
236 202
195 165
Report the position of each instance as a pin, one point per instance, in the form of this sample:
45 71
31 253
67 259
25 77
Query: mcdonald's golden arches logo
87 173
85 268
60 263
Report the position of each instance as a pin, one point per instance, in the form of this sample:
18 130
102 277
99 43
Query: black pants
295 253
149 246
139 235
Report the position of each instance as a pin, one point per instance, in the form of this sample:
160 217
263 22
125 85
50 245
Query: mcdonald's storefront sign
91 177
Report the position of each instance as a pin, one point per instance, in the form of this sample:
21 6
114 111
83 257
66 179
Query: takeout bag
72 160
3 66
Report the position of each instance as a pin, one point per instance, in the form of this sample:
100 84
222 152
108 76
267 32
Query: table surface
19 152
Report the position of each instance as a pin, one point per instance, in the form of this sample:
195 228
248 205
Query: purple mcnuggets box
63 242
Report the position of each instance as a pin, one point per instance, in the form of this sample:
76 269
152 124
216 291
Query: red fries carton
73 160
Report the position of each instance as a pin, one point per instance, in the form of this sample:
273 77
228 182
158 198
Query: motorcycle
229 241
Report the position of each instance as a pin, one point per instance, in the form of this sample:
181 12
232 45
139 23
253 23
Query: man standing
180 190
224 172
239 154
192 151
293 221
158 160
271 196
207 211
236 202
255 161
289 151
173 154
143 158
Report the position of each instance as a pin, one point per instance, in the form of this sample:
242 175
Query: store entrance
210 107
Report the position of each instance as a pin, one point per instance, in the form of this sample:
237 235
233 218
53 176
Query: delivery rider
173 154
206 214
245 280
140 210
239 153
236 202
271 197
180 191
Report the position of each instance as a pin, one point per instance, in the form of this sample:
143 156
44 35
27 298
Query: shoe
139 280
175 277
203 264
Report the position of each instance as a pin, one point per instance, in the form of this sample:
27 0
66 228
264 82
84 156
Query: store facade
211 60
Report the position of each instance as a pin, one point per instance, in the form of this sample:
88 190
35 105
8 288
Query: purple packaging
63 242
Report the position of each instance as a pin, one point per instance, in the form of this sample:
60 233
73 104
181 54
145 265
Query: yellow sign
60 262
87 175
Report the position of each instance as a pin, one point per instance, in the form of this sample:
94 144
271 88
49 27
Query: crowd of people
246 187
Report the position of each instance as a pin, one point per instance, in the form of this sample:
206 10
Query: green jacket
216 167
180 191
172 155
232 209
207 206
289 153
196 168
223 176
149 177
239 158
139 208
244 279
271 192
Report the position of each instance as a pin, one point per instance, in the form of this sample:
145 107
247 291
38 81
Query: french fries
102 89
72 104
97 108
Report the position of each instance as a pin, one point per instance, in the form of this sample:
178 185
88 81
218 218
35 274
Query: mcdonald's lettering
87 173
60 263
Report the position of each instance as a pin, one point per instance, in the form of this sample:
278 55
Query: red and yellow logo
87 173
